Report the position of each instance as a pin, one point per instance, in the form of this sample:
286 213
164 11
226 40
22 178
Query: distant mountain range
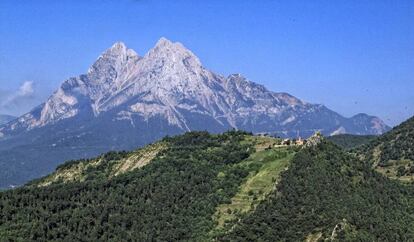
125 101
5 118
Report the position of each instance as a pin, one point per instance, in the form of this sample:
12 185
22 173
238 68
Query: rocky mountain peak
369 122
110 70
112 60
125 101
170 83
236 76
119 49
118 45
164 42
172 54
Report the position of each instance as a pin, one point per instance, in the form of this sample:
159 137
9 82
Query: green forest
232 186
392 154
173 198
350 141
323 188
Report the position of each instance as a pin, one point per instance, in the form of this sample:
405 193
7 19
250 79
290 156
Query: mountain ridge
119 71
5 118
125 101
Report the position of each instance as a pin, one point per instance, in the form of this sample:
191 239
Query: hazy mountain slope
329 194
67 141
5 118
393 152
125 101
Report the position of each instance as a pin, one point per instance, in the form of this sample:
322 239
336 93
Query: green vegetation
402 170
255 189
228 187
392 154
173 197
106 166
329 194
349 141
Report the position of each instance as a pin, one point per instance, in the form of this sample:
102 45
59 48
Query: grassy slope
173 197
326 190
257 186
105 166
391 170
392 151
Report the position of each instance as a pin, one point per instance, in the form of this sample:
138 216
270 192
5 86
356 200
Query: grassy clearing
391 170
313 237
70 174
261 142
266 166
139 158
80 171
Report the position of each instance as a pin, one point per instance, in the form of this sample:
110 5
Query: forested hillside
329 194
393 153
173 197
202 187
349 141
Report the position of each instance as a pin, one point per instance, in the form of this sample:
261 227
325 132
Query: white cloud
13 101
26 89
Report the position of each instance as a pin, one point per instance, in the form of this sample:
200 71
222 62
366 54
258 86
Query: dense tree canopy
323 187
349 141
395 145
174 197
325 192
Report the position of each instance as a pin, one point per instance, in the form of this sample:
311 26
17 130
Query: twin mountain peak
170 84
125 101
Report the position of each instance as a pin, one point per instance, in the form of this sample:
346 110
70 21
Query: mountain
5 118
393 153
203 187
126 101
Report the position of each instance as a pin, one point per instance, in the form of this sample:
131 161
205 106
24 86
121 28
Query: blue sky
353 56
